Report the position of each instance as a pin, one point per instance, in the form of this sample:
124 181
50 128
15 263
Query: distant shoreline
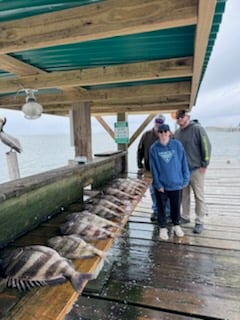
228 129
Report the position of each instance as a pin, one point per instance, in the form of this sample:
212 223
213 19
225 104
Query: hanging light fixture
31 109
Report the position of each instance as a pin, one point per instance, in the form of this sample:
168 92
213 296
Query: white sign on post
121 132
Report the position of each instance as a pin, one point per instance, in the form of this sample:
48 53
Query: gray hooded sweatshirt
196 144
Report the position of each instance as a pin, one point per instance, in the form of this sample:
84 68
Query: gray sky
218 100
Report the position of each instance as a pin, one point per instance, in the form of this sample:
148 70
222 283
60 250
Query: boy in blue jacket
169 168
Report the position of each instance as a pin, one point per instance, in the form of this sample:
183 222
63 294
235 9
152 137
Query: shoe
198 228
178 231
163 234
184 221
153 217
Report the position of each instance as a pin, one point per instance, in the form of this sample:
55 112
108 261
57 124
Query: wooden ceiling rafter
140 71
106 19
102 20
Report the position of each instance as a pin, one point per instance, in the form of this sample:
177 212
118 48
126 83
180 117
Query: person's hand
161 190
202 170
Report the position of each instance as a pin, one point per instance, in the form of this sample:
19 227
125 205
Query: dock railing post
13 168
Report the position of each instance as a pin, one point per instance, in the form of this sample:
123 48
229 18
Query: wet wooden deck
196 277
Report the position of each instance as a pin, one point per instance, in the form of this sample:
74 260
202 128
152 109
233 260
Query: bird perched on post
10 141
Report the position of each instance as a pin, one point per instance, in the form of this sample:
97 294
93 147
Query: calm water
46 152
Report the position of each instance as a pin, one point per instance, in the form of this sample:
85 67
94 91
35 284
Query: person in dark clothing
169 168
147 139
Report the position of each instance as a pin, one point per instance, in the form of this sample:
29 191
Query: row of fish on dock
39 265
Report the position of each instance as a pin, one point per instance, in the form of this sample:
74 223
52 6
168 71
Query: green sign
121 132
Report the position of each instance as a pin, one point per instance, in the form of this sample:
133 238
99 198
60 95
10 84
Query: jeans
154 202
196 184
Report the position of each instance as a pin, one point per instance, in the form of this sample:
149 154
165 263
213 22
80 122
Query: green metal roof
18 9
146 46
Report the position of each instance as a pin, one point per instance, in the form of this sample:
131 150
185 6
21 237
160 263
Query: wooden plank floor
51 303
195 277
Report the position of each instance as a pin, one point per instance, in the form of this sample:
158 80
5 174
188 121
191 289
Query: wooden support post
12 163
82 130
123 146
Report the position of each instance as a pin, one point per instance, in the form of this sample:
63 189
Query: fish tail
104 255
78 280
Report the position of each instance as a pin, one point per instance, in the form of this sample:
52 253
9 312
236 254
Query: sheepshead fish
136 181
88 217
36 266
103 212
119 193
87 231
114 200
107 204
74 247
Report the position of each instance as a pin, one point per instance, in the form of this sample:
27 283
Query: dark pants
175 202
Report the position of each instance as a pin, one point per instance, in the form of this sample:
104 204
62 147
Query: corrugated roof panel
18 9
168 43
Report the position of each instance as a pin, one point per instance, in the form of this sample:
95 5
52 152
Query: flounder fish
74 247
35 266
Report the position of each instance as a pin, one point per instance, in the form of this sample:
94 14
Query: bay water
45 152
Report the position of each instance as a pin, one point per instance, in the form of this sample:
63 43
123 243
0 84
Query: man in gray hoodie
198 150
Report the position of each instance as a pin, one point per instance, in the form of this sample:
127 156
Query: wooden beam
138 108
82 130
206 10
161 69
105 19
105 126
135 109
127 96
140 129
17 67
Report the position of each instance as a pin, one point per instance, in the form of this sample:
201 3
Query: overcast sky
219 96
218 100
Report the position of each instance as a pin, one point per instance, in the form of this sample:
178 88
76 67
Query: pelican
10 141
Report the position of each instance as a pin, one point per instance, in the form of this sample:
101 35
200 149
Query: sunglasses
180 116
159 121
161 131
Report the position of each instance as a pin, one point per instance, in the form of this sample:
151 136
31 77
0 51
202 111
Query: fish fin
77 280
104 256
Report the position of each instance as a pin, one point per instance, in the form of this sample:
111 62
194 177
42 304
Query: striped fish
88 217
118 193
114 200
36 266
74 247
107 204
88 231
103 211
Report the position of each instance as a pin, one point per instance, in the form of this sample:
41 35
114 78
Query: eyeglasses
161 131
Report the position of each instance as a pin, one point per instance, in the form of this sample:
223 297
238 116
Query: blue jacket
168 164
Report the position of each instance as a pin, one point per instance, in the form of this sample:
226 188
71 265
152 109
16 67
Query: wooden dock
196 277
